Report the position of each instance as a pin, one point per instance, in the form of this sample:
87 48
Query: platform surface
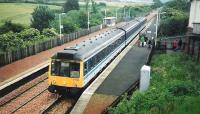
126 73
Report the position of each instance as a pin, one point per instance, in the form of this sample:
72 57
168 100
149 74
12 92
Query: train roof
95 44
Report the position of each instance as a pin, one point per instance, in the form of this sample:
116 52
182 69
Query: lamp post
88 20
124 12
105 13
129 13
157 22
60 26
89 15
116 13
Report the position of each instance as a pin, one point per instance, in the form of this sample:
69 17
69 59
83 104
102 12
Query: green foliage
9 26
83 19
157 4
182 5
16 12
96 20
29 34
71 5
10 41
42 17
69 27
134 11
94 7
49 32
175 20
102 4
72 21
175 88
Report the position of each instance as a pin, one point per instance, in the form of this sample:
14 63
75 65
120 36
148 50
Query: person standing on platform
149 43
142 40
174 45
179 44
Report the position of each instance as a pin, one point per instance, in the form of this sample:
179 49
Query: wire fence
11 56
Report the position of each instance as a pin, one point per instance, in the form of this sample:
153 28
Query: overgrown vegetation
175 88
175 19
45 17
71 5
12 41
9 26
42 17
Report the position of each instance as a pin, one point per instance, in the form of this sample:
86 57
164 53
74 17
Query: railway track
21 97
34 97
21 100
62 106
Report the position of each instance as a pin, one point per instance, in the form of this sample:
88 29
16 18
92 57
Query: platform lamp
60 24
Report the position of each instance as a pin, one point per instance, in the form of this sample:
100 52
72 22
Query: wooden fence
9 57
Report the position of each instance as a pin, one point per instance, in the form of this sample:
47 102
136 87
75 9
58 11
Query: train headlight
53 82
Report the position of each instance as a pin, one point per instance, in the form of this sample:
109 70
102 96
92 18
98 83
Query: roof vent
75 48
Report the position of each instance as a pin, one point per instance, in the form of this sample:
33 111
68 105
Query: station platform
125 74
116 79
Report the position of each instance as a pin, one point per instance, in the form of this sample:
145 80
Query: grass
19 12
175 88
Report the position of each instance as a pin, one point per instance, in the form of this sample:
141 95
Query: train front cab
65 74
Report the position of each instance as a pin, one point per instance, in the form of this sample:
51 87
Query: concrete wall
194 13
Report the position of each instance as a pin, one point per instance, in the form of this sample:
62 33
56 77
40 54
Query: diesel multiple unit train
75 67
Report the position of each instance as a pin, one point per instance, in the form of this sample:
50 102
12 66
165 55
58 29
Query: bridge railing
190 44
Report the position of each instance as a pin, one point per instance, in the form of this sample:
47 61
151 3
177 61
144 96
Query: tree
94 7
157 4
87 4
9 26
71 5
175 20
42 17
183 5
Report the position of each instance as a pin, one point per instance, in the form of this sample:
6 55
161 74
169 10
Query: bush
49 32
9 26
29 34
69 27
102 4
42 17
10 41
71 5
170 92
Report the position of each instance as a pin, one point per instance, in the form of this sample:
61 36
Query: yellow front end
65 81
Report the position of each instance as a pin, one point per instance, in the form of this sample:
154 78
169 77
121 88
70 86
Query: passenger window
74 70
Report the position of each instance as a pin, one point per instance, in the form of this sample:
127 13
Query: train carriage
75 67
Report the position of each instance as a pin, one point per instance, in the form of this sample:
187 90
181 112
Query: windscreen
65 69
